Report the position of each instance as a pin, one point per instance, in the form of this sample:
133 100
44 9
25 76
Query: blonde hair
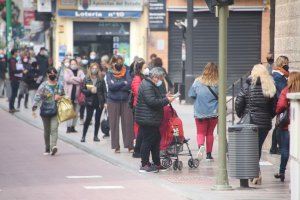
89 73
267 82
210 75
294 82
282 61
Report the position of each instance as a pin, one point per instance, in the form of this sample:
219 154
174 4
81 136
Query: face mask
85 62
52 77
270 61
67 64
18 58
146 71
94 71
74 67
159 83
25 60
92 57
286 68
1 55
118 67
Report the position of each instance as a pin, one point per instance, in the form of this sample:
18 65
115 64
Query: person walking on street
293 86
95 93
2 72
257 97
119 84
43 61
15 77
148 115
280 75
73 78
32 78
24 88
84 68
47 96
205 92
136 82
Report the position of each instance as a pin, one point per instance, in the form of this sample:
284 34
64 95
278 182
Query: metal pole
8 27
189 50
222 177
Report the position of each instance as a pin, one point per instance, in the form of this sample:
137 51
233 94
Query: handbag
48 109
213 93
105 124
282 119
65 110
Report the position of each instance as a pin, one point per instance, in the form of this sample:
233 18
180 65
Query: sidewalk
194 184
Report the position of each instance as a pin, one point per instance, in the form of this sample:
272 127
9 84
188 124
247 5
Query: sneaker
201 152
46 153
117 150
96 139
209 158
148 169
161 168
54 150
73 130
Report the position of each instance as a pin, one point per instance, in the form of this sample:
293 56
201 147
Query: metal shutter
244 43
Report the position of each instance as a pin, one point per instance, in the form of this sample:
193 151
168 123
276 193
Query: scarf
285 73
119 74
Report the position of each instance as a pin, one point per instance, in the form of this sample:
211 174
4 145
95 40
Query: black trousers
82 109
150 143
14 92
89 115
138 142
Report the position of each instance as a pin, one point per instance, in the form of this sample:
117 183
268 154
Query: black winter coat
150 103
262 109
98 99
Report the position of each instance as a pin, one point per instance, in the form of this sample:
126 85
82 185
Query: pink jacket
70 80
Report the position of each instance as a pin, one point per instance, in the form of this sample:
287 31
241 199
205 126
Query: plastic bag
65 110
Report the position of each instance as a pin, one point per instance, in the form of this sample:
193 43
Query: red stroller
172 141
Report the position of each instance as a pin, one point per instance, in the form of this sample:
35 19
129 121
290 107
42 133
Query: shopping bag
65 110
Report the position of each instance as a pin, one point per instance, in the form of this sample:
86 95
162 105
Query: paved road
25 173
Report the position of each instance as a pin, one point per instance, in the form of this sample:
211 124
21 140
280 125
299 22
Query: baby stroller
172 141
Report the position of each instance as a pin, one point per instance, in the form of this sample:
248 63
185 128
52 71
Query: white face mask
159 83
93 57
146 71
84 62
74 67
67 64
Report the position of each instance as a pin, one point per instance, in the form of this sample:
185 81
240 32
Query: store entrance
105 38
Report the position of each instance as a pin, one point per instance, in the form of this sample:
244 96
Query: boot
96 139
69 130
19 101
73 129
280 176
82 139
26 101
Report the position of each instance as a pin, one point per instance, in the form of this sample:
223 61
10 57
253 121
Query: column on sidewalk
295 145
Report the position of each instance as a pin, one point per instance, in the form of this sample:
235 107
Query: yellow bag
65 110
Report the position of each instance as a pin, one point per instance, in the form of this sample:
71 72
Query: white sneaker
54 150
46 153
201 152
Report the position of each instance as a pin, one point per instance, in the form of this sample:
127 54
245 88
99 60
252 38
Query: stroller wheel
175 165
190 163
166 162
180 165
196 163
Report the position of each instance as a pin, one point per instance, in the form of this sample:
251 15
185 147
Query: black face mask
52 77
286 68
118 67
270 61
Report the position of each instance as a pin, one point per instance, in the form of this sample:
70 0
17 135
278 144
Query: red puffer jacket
137 80
282 104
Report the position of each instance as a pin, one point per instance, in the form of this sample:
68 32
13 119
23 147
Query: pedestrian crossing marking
103 187
83 177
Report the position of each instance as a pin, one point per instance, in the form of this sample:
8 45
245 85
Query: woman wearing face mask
32 79
84 67
119 85
139 70
94 90
93 58
47 95
73 78
23 91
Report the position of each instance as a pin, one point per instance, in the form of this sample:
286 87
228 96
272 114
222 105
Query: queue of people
134 97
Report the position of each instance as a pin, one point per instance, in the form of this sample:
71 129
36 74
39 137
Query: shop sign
157 15
99 14
108 5
29 16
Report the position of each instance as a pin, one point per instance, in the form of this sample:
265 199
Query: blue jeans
285 150
14 92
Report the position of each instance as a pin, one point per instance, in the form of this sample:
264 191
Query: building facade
248 37
287 31
107 27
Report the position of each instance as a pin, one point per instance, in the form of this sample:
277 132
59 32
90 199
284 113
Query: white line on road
83 177
103 187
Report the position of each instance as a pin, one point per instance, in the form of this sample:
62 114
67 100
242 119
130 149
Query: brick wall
287 30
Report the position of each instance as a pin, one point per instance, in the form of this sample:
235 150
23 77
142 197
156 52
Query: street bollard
243 153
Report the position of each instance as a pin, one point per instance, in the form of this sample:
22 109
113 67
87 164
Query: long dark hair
139 63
